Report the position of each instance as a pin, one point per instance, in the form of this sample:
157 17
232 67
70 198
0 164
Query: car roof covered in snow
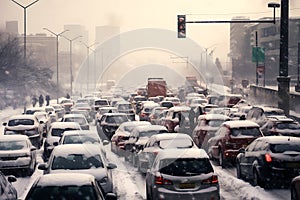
240 124
63 179
64 125
182 153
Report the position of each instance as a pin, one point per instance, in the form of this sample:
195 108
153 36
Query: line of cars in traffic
68 147
259 141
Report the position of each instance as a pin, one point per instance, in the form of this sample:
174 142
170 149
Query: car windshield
185 166
62 192
79 139
77 162
12 145
59 131
79 120
245 131
175 143
116 119
281 148
17 122
293 126
215 123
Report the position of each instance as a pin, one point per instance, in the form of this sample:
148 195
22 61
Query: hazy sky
136 14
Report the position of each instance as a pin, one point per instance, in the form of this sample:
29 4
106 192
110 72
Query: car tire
221 160
238 171
148 195
256 181
293 193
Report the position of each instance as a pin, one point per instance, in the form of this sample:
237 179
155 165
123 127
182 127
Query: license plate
186 185
293 165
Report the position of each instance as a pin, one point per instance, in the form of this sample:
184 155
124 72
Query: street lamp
88 63
24 8
57 35
71 70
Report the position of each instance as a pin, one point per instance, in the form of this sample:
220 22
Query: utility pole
283 78
71 64
24 8
57 35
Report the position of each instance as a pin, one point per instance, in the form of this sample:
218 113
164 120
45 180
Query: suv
270 161
25 125
207 126
259 114
127 108
230 137
281 126
109 123
174 115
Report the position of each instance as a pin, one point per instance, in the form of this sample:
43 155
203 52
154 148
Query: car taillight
212 180
155 153
268 157
159 180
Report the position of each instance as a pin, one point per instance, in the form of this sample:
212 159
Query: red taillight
268 157
211 180
159 180
155 153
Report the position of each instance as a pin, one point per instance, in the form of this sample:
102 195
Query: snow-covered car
79 118
55 133
17 154
109 123
122 134
25 125
61 186
81 158
182 174
102 110
138 138
295 188
281 126
229 138
67 104
206 127
160 142
127 108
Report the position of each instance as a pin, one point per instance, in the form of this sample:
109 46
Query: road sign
258 54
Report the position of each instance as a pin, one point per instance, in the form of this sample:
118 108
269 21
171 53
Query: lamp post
88 63
71 67
57 35
24 8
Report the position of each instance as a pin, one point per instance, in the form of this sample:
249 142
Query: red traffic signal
181 31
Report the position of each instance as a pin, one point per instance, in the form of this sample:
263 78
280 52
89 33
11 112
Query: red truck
156 87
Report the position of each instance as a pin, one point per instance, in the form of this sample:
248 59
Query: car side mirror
242 150
111 166
4 123
42 166
105 142
11 178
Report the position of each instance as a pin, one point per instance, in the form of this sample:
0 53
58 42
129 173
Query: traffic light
181 31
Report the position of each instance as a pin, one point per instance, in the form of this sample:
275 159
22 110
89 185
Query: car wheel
256 181
148 195
238 171
293 193
221 160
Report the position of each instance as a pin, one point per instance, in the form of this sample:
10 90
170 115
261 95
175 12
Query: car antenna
289 138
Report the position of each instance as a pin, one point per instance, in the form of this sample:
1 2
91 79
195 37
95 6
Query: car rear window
245 131
63 192
185 166
293 126
17 122
175 143
281 148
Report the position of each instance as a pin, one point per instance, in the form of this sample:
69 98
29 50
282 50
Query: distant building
268 37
